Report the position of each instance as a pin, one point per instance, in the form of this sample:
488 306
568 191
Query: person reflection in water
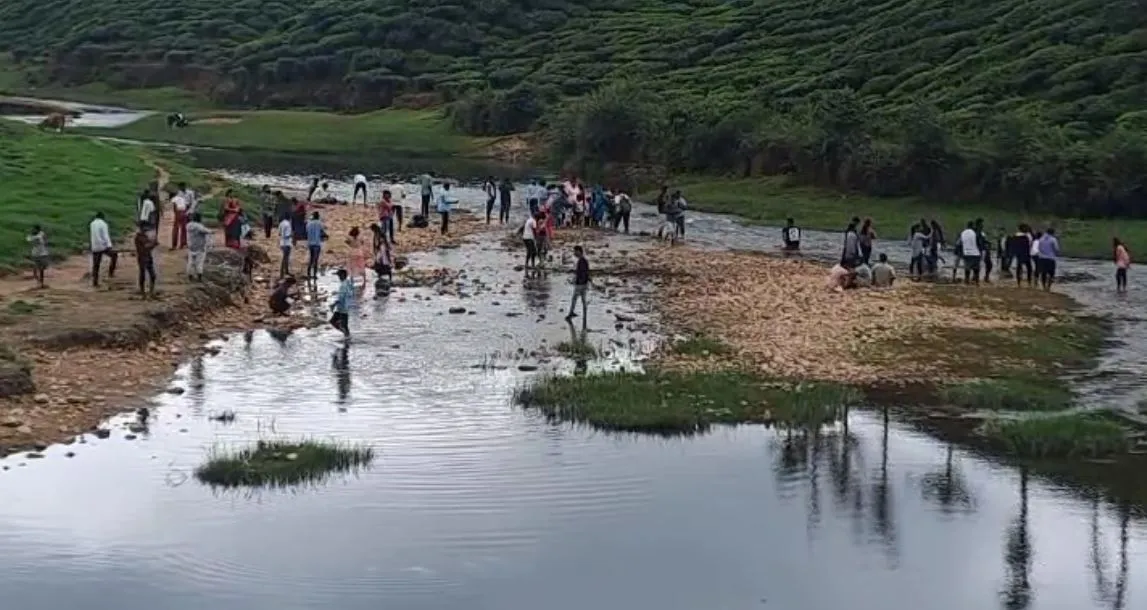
581 361
340 363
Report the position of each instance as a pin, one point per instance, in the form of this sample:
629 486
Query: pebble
457 310
41 398
527 367
103 433
129 437
34 456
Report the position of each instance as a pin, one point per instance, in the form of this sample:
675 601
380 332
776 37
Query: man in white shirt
146 209
101 245
286 240
359 185
529 235
970 251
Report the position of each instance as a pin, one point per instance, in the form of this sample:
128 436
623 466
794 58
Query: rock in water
457 310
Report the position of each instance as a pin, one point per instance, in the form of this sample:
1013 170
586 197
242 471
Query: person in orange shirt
1122 262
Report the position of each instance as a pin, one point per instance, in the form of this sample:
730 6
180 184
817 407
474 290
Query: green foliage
1036 105
282 464
1058 436
59 182
1016 394
683 403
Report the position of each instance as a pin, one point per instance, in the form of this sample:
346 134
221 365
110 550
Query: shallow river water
473 503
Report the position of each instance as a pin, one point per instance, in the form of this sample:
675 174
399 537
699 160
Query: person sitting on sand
839 277
791 235
862 276
883 275
323 195
283 296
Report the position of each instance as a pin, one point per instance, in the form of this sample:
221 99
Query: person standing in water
359 185
145 244
970 252
1019 248
316 233
1122 263
101 245
311 191
445 202
866 235
1048 253
918 245
529 238
286 240
39 254
340 308
581 285
356 255
505 187
624 210
850 253
491 189
679 206
197 236
386 212
791 236
427 188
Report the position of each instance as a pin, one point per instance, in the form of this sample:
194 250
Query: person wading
529 238
791 236
866 235
1122 264
445 202
581 285
850 252
505 187
340 308
316 234
1048 254
426 186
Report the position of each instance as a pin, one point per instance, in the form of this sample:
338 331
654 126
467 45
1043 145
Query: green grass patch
1067 435
394 132
683 403
701 346
275 464
14 81
578 350
771 200
21 307
60 181
1009 394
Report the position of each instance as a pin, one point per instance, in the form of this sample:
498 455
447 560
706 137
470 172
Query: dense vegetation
1036 103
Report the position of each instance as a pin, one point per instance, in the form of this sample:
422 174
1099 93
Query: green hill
1038 103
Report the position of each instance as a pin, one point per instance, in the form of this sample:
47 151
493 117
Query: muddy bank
75 355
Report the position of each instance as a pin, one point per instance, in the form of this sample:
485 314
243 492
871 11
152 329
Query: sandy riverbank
78 355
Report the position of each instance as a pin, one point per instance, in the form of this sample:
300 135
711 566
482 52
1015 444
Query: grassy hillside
60 182
1032 104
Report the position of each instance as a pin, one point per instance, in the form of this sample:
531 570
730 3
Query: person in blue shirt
445 202
315 236
340 318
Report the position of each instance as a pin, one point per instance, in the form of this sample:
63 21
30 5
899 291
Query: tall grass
682 403
1066 435
1008 394
275 464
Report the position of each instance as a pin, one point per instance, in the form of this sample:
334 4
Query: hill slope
1079 61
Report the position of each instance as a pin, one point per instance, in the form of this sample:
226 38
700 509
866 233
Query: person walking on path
581 285
39 254
145 244
445 202
145 209
505 187
1122 263
101 244
197 237
179 207
316 234
1048 253
359 186
286 240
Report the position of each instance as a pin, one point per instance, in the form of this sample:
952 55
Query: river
473 503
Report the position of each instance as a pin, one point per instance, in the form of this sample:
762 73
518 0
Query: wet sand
80 383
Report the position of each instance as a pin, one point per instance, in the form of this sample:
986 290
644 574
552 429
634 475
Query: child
340 308
39 254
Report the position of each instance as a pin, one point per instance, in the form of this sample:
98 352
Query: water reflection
581 358
340 363
536 287
1017 593
1106 593
947 488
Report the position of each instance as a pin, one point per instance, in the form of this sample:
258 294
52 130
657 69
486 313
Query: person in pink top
1122 262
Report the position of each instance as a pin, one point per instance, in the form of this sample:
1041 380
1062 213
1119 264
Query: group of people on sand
1026 254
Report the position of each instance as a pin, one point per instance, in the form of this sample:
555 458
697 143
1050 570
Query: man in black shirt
791 235
581 284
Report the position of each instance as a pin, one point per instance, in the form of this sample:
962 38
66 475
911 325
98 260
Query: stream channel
474 504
